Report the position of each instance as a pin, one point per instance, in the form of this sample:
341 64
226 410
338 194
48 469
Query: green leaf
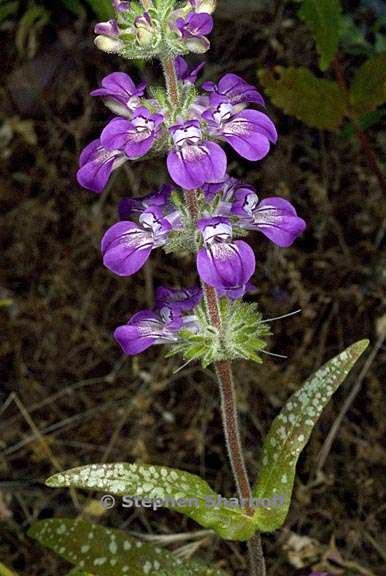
316 102
108 552
4 571
368 90
8 9
74 6
103 8
324 18
291 431
164 487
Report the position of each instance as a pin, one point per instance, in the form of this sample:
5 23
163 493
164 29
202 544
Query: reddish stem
362 136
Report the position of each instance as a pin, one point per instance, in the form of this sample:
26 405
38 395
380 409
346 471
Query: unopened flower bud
144 29
197 45
121 5
204 6
109 45
109 28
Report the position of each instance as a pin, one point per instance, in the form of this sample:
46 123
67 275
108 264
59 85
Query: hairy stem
229 414
171 80
223 371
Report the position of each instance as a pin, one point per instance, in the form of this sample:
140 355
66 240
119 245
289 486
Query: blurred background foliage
78 400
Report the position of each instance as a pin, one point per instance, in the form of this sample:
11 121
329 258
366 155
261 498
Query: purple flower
226 189
147 328
183 72
235 89
120 94
96 164
136 136
223 264
121 5
193 162
130 206
178 300
126 246
275 217
110 28
248 132
193 29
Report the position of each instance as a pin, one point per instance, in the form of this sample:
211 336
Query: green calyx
242 335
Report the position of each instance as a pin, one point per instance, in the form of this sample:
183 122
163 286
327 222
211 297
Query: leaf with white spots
103 551
289 434
166 488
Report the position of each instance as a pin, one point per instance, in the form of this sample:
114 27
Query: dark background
59 305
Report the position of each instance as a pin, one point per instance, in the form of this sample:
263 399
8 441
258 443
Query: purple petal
237 90
139 333
195 165
136 146
177 299
116 84
89 152
200 24
277 219
250 133
226 266
125 248
96 165
115 135
109 28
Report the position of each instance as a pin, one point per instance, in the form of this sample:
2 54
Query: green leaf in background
324 18
368 89
365 122
8 9
103 8
4 571
108 552
316 102
291 431
74 6
166 485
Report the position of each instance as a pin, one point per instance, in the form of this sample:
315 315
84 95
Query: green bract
242 335
142 42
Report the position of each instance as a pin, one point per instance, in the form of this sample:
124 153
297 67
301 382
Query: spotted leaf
107 552
165 487
291 431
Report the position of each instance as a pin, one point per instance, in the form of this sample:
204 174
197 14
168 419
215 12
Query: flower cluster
163 323
191 129
138 32
190 136
228 207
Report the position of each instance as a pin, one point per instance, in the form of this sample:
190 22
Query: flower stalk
229 407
